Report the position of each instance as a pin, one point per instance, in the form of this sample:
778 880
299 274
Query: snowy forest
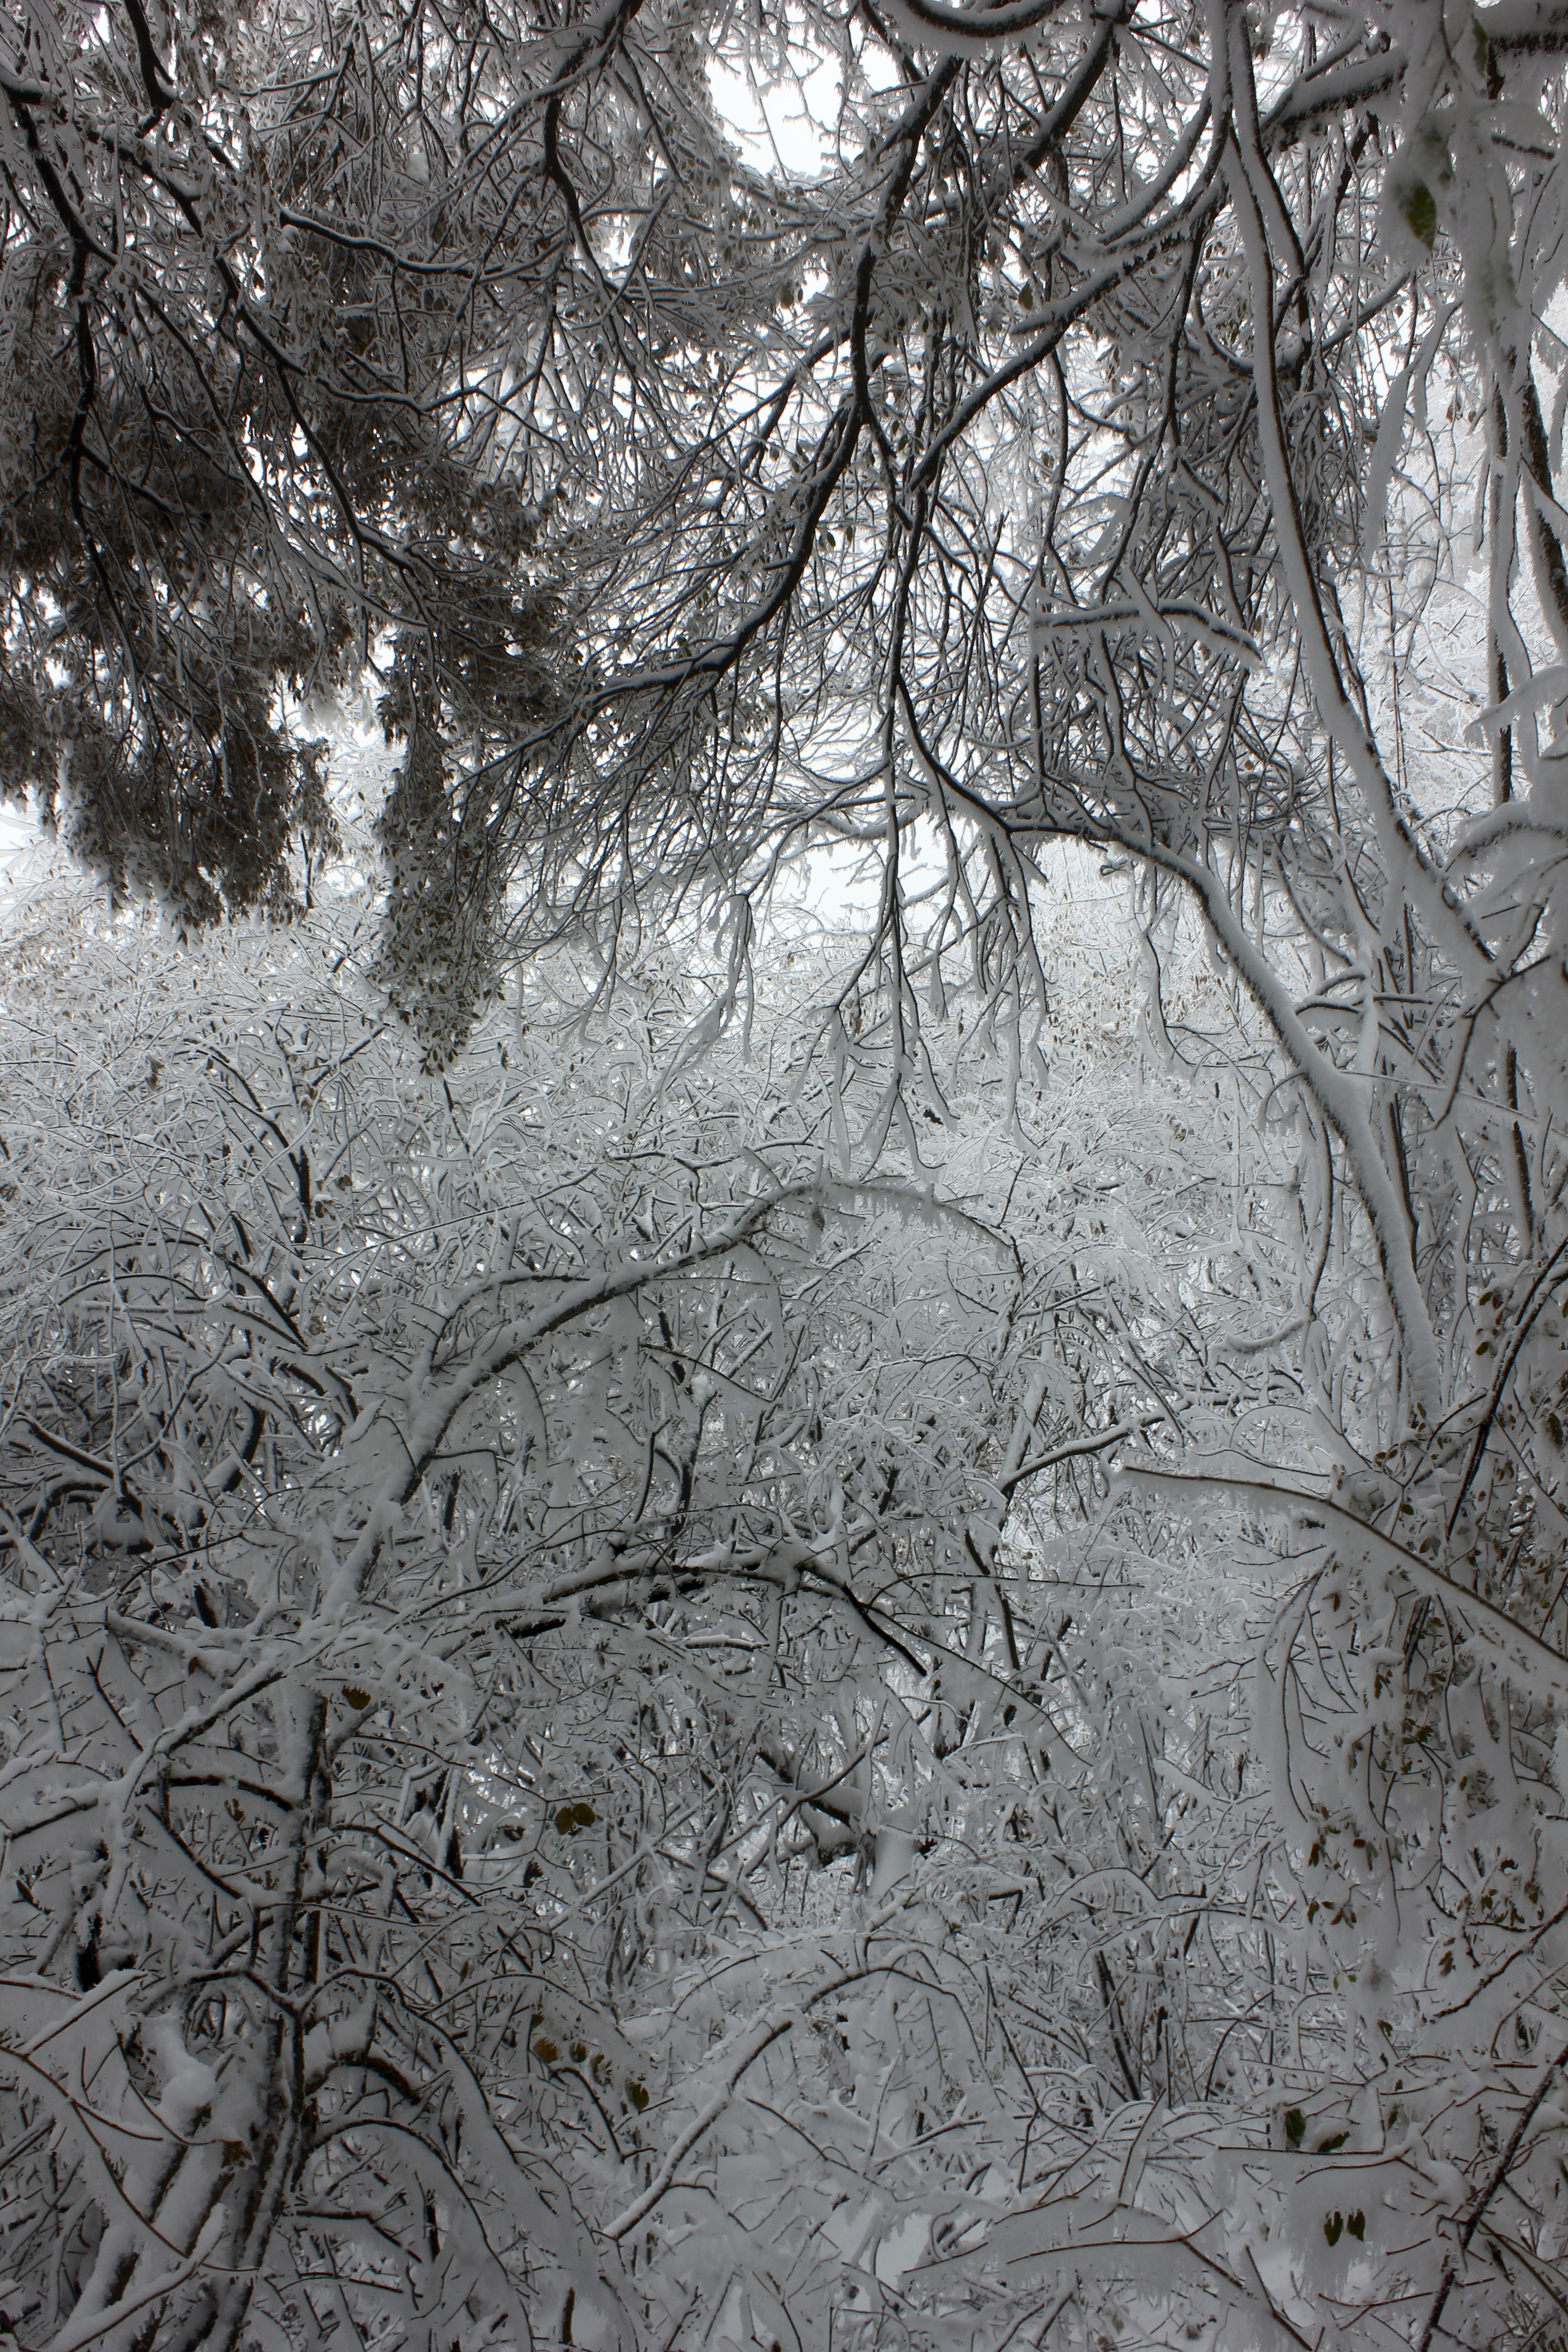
784 1176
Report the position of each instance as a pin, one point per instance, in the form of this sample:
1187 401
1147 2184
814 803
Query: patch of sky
784 114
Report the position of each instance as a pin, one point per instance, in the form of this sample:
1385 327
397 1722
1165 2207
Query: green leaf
1421 212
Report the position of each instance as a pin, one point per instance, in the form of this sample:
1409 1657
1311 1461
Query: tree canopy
766 1631
1011 470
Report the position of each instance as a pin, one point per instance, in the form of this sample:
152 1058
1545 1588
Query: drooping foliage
627 1517
1018 462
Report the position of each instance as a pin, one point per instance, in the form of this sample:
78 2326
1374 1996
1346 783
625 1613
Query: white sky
784 125
791 123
